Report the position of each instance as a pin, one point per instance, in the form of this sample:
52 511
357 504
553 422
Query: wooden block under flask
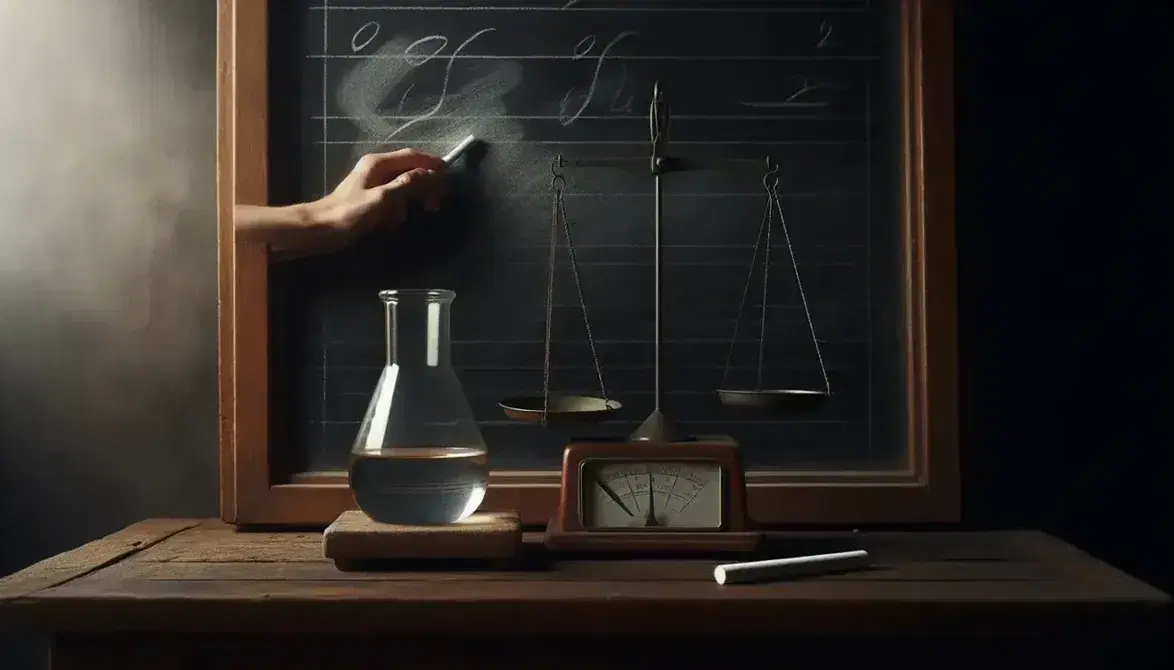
355 537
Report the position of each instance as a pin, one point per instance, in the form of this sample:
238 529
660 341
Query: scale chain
762 227
778 205
773 206
550 297
559 215
765 285
559 203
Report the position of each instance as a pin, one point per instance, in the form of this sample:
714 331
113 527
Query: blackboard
816 86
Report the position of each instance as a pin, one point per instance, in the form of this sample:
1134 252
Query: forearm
290 232
262 223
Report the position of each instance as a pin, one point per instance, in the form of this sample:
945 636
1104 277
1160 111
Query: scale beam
659 427
670 164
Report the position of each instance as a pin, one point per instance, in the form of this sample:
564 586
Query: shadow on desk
613 652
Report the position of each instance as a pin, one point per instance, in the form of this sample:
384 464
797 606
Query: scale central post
658 427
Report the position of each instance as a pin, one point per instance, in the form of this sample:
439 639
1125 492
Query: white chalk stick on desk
451 156
786 568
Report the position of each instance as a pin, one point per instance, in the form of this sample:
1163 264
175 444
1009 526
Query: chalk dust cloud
447 100
107 262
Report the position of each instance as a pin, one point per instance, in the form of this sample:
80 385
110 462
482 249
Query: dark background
1063 179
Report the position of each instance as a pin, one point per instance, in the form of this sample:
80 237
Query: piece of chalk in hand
786 568
459 149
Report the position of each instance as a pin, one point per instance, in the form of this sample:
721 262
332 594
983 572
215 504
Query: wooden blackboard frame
253 493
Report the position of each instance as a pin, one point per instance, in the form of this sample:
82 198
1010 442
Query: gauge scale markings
683 496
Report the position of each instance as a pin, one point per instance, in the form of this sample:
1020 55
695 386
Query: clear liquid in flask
420 485
419 458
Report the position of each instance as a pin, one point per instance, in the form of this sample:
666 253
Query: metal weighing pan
772 399
561 409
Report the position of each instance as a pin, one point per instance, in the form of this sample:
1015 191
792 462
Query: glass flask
419 458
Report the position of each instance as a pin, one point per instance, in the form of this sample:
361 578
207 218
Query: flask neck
418 333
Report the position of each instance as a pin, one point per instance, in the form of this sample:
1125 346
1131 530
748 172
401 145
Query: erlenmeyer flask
419 458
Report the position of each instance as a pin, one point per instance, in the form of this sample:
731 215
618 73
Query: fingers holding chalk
459 149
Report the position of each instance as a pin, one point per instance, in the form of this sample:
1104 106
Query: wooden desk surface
192 576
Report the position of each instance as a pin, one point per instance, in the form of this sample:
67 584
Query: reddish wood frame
252 493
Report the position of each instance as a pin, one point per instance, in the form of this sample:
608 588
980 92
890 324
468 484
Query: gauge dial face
650 495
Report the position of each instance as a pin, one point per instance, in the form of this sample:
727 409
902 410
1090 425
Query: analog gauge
668 495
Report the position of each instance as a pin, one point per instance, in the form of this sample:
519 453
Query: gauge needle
612 494
650 519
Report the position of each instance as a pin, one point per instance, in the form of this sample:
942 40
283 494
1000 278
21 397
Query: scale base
637 542
659 428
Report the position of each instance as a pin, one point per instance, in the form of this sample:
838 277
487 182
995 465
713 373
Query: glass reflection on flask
419 458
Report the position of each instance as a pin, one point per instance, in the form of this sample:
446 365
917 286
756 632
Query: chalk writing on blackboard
408 52
581 51
626 105
364 36
364 91
800 99
825 33
416 60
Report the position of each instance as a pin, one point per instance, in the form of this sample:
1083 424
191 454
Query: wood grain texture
355 537
210 578
87 558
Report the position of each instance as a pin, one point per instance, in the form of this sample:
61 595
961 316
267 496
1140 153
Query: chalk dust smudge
446 100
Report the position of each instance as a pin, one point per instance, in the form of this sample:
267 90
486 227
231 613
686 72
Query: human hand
377 191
